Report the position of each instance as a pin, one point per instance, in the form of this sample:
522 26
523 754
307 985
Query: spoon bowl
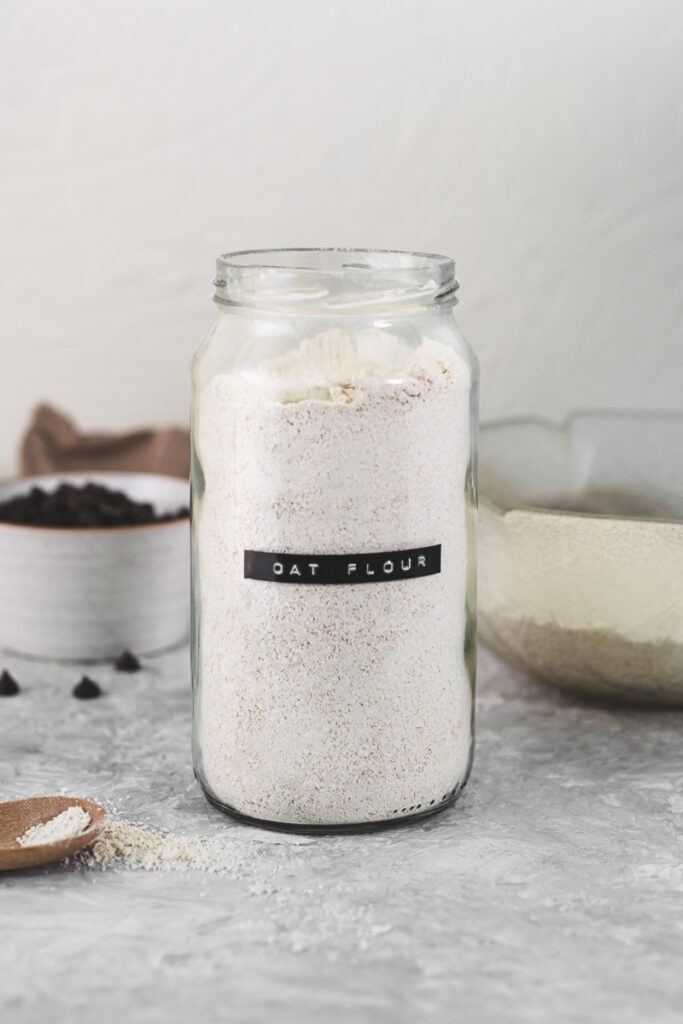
17 816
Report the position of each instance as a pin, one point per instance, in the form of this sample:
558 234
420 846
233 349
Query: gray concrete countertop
552 892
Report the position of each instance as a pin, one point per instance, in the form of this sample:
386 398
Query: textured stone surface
553 891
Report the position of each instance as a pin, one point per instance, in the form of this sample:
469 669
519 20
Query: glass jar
333 516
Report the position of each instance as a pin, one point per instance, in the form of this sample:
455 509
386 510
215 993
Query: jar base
354 828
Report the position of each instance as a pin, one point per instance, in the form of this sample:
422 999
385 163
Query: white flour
335 704
67 825
127 845
589 602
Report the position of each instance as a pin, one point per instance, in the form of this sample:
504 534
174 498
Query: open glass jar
333 518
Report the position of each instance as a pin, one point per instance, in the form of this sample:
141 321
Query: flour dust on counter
133 846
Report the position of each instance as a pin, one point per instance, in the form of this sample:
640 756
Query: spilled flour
295 912
67 825
127 845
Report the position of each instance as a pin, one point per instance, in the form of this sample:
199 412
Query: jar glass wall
333 518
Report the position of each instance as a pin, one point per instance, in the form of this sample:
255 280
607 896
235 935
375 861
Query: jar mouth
334 280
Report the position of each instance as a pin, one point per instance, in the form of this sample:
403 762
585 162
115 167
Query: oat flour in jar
333 704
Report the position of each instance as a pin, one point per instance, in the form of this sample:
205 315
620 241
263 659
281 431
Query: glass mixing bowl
581 551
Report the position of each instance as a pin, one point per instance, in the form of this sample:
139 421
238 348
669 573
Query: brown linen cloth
53 444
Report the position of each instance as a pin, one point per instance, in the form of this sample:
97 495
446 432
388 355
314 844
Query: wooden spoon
16 816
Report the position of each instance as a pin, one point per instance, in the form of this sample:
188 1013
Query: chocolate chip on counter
8 685
127 662
87 689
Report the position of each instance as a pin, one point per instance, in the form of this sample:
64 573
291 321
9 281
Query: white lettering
422 561
278 568
368 570
388 566
351 567
295 570
313 566
406 568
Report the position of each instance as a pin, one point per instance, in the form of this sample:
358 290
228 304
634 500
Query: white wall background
537 142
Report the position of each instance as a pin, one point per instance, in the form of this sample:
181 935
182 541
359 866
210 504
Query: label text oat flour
376 567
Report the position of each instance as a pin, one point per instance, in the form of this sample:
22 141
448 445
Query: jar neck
345 282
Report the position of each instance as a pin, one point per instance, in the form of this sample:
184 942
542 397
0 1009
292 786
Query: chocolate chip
127 662
8 685
87 689
86 507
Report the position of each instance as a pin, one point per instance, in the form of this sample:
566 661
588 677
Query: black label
377 567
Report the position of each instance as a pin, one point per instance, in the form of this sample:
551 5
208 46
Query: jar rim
334 279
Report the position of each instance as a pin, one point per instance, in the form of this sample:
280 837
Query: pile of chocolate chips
90 505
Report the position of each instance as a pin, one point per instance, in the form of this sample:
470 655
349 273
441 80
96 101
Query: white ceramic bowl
84 594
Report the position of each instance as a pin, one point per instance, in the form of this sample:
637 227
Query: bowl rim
564 421
562 424
72 530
